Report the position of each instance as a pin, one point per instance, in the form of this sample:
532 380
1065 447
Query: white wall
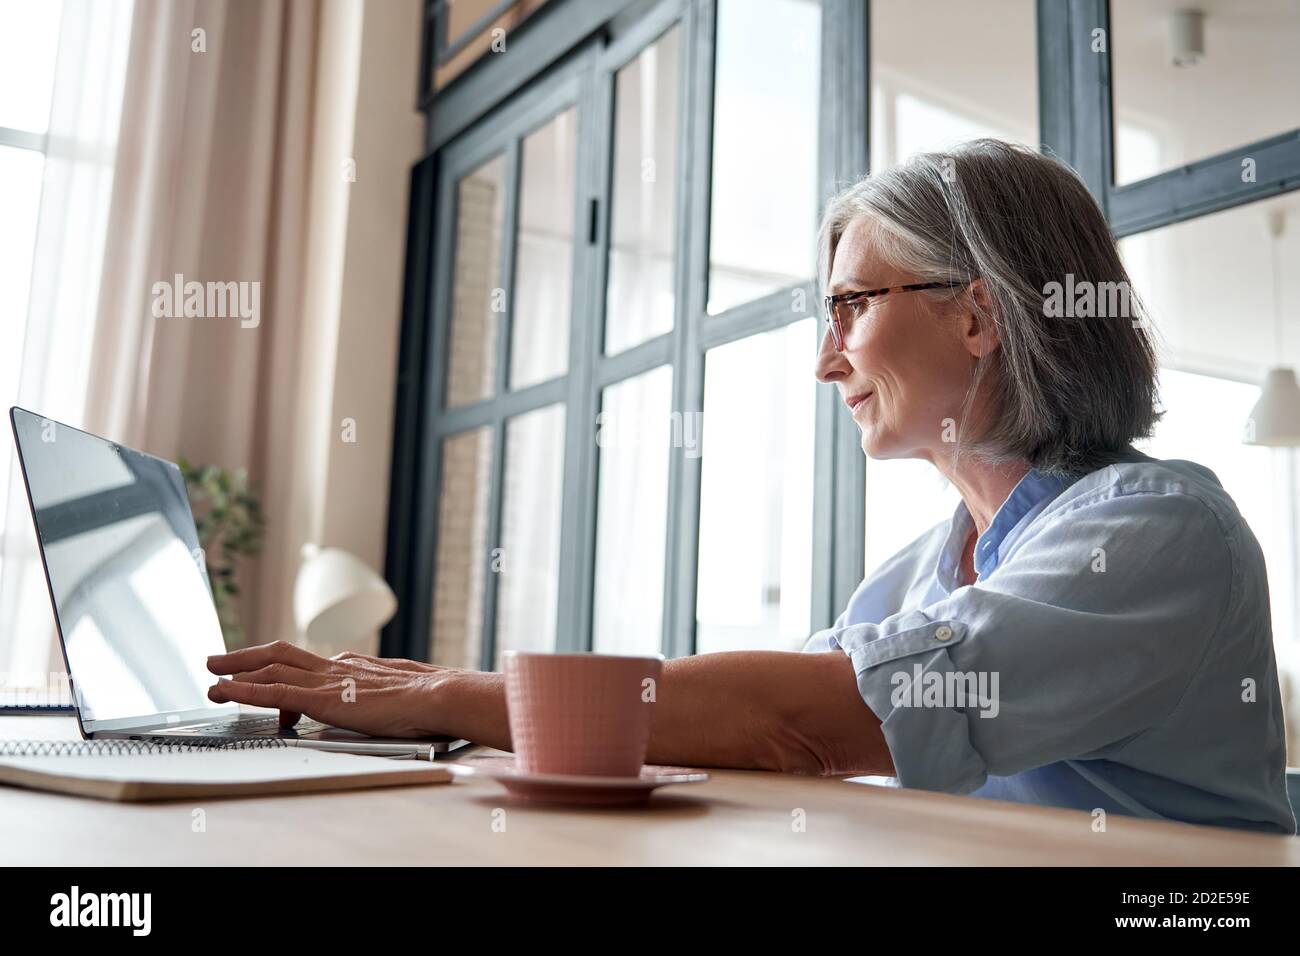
386 141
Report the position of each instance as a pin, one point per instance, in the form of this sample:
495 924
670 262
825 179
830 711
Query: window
1180 271
905 499
641 297
458 32
530 531
641 229
635 439
462 548
706 133
756 503
754 464
1189 84
61 81
593 309
478 299
539 346
763 227
510 199
21 169
934 82
28 45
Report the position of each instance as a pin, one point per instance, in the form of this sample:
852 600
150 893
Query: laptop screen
126 573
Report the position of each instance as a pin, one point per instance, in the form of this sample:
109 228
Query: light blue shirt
1115 652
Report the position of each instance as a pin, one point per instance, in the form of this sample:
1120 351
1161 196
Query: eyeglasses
843 310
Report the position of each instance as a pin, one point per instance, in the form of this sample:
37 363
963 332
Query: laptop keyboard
248 727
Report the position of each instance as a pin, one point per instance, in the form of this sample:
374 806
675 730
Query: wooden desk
735 818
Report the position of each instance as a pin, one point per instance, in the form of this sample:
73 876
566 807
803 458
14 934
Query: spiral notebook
143 770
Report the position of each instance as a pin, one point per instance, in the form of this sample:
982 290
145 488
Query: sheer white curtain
51 341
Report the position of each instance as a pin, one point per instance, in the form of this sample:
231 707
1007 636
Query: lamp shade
1275 419
338 599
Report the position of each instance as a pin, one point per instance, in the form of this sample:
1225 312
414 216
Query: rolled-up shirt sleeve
1086 636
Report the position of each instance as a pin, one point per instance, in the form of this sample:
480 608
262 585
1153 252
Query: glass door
511 242
591 308
639 289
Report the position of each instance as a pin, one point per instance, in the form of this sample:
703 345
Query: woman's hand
377 696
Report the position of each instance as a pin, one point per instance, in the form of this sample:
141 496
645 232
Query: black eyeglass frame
831 303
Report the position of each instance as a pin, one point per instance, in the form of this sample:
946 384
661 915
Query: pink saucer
572 789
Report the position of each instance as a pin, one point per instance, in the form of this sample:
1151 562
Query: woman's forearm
761 710
766 710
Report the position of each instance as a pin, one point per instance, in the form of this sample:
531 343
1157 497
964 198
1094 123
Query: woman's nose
831 365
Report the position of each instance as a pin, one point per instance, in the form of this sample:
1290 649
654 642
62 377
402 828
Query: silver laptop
131 598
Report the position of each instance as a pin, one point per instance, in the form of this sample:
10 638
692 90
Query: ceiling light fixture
1186 37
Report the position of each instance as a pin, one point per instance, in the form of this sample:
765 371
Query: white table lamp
337 599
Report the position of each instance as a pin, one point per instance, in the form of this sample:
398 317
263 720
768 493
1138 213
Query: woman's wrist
472 705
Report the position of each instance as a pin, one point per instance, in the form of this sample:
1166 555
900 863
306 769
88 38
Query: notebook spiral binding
100 748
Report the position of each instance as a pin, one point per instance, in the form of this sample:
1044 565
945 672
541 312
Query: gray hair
1068 394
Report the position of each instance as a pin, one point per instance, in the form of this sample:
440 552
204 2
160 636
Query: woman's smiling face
908 360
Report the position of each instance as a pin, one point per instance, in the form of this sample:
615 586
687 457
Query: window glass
528 560
539 316
462 548
635 435
20 196
499 18
763 224
934 83
463 14
478 299
1188 86
28 46
905 498
1220 290
756 496
643 220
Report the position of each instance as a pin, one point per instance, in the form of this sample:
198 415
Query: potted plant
229 521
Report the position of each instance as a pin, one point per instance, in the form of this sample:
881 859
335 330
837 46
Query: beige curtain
48 346
236 128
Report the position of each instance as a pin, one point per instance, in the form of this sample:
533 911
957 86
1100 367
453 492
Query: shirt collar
1030 493
1035 489
959 528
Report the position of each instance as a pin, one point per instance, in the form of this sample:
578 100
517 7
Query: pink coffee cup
585 714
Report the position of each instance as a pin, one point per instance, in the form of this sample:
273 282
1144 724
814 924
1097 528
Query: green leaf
229 520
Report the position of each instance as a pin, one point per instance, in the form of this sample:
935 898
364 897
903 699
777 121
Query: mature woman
1089 630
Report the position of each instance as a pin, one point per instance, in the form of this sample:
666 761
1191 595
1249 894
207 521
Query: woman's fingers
281 696
282 674
253 658
371 695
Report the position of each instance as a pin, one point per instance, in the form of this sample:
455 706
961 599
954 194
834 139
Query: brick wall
466 458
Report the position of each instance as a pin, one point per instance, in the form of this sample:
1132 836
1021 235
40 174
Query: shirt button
943 633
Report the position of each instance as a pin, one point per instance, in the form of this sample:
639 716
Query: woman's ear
979 331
